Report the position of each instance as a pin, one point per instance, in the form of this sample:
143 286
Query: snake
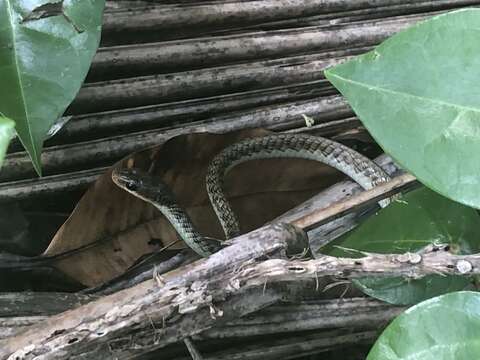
152 188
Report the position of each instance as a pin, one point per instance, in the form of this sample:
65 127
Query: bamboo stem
306 97
194 18
102 152
163 57
148 90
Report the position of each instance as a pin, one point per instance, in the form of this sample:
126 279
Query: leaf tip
37 166
34 150
330 74
36 160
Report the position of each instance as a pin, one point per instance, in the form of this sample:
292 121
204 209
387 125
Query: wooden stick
341 208
211 293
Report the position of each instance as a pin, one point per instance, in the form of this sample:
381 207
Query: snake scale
153 190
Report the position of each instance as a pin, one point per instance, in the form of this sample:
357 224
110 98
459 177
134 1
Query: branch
431 260
351 313
191 301
165 301
338 209
314 315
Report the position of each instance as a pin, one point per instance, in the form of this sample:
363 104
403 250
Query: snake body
152 189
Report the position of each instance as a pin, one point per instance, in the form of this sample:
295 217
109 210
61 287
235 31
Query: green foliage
6 133
417 94
443 328
47 48
420 218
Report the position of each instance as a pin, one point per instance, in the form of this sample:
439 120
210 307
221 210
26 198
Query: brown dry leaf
258 190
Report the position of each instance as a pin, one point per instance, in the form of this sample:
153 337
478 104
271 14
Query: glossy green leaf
419 218
6 133
417 94
443 328
46 48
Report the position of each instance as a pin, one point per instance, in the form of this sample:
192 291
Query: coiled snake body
152 189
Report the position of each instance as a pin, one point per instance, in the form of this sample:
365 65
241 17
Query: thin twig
344 207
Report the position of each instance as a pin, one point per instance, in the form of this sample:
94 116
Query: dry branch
12 326
133 276
97 324
431 260
368 197
291 347
19 310
349 313
225 286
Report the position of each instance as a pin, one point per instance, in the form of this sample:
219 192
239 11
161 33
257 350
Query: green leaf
421 217
443 328
400 291
46 48
6 133
417 94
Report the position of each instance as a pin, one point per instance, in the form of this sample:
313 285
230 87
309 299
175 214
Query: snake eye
131 185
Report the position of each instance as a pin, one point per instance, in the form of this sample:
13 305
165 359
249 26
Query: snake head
148 187
128 179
